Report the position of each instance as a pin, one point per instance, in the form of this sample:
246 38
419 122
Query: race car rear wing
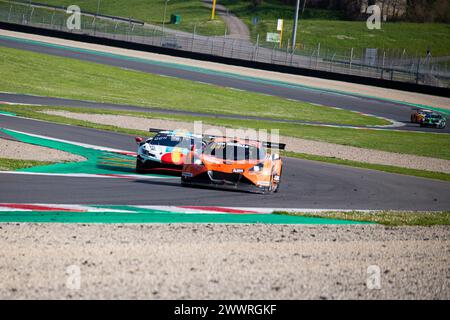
153 130
272 145
269 145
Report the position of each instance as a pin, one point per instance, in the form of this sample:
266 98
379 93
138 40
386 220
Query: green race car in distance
434 120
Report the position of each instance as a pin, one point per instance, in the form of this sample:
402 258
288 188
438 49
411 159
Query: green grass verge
40 74
326 28
389 218
14 164
436 145
192 12
34 112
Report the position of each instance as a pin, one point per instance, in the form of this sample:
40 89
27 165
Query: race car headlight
145 152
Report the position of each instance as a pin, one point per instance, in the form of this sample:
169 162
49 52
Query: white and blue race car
166 151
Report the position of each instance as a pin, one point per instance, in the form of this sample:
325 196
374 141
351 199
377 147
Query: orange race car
235 164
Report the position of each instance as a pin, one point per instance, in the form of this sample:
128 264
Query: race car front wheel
139 166
185 182
274 185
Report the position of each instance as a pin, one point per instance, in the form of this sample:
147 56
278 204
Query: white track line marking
87 175
62 207
180 209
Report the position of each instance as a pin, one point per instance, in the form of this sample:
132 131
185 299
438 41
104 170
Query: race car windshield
168 140
234 151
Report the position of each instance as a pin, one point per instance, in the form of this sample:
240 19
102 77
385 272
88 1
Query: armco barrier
404 86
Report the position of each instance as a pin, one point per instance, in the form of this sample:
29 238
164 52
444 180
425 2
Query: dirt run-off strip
223 261
10 149
292 144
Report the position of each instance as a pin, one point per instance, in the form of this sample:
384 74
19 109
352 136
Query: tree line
403 10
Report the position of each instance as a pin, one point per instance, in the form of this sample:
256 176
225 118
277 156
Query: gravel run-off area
213 261
292 144
11 149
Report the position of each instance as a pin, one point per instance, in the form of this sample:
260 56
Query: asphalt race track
391 110
305 184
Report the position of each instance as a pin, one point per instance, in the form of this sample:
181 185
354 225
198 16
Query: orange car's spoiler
271 145
265 144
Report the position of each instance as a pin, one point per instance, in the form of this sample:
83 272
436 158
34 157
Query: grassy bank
40 74
388 218
14 164
437 145
193 13
34 112
327 28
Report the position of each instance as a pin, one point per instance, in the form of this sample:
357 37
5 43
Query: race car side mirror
138 140
275 156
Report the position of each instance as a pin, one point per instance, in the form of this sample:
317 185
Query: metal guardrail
418 70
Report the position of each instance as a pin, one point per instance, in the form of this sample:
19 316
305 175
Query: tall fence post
318 55
193 37
351 60
362 62
31 15
292 56
382 66
417 71
232 48
223 47
310 59
115 29
255 53
287 52
332 61
53 15
271 55
9 14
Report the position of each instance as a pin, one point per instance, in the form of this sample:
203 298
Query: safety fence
373 63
